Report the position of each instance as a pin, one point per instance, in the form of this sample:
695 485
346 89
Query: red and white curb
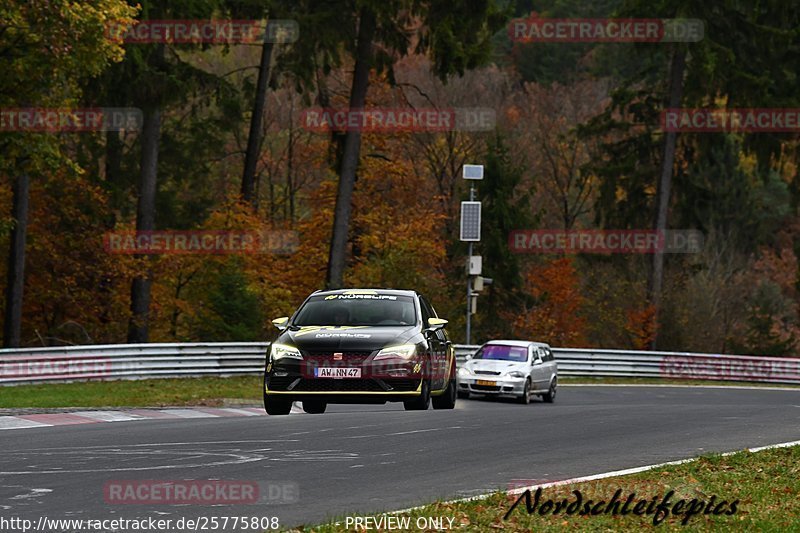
128 415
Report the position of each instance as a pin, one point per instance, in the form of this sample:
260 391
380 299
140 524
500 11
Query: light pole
471 233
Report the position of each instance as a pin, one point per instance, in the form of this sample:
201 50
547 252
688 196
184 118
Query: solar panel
470 221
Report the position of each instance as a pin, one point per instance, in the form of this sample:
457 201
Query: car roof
392 292
510 342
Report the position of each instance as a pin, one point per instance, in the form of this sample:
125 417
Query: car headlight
516 374
280 351
464 371
404 351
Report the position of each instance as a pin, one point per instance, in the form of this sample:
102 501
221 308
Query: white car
508 368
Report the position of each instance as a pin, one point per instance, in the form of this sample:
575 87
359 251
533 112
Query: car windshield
503 352
357 310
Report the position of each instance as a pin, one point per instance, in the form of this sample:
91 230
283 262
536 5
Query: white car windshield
503 352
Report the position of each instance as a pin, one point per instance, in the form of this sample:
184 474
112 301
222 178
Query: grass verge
208 391
765 485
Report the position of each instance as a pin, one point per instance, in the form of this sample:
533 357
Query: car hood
347 338
493 365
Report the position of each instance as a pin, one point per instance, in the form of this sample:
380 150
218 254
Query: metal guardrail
141 361
130 361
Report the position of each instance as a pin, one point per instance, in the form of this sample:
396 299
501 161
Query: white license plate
337 372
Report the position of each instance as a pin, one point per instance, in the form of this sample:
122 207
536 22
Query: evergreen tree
505 207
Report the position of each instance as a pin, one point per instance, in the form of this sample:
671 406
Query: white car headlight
516 374
280 351
464 371
404 351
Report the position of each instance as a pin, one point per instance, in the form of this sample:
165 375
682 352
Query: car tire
550 395
448 398
314 407
275 406
420 403
526 393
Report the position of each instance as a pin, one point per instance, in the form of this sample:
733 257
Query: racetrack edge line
680 385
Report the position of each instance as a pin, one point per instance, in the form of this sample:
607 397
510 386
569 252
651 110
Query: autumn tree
46 51
742 61
153 77
555 314
505 207
456 35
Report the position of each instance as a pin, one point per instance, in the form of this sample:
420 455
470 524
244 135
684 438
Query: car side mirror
537 361
436 323
281 323
468 357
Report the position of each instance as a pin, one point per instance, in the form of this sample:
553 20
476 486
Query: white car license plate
336 372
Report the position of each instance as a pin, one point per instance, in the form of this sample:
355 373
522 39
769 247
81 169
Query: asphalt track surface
361 459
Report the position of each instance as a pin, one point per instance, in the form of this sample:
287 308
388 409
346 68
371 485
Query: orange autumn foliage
396 230
556 317
641 326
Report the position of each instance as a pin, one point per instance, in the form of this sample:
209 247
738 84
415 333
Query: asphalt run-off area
355 460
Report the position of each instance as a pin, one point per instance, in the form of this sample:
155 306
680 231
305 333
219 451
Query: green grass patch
765 485
208 391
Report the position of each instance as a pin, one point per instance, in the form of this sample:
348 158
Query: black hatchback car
360 346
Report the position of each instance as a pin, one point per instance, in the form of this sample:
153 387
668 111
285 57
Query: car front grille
487 388
348 358
487 373
338 385
343 385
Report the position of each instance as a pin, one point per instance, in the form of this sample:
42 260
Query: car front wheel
276 406
448 399
420 403
526 393
550 395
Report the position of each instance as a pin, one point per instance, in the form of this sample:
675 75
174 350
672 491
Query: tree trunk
248 189
290 167
336 142
12 327
113 167
677 67
350 155
145 221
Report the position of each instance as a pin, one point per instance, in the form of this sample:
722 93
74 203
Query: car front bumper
379 382
502 386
